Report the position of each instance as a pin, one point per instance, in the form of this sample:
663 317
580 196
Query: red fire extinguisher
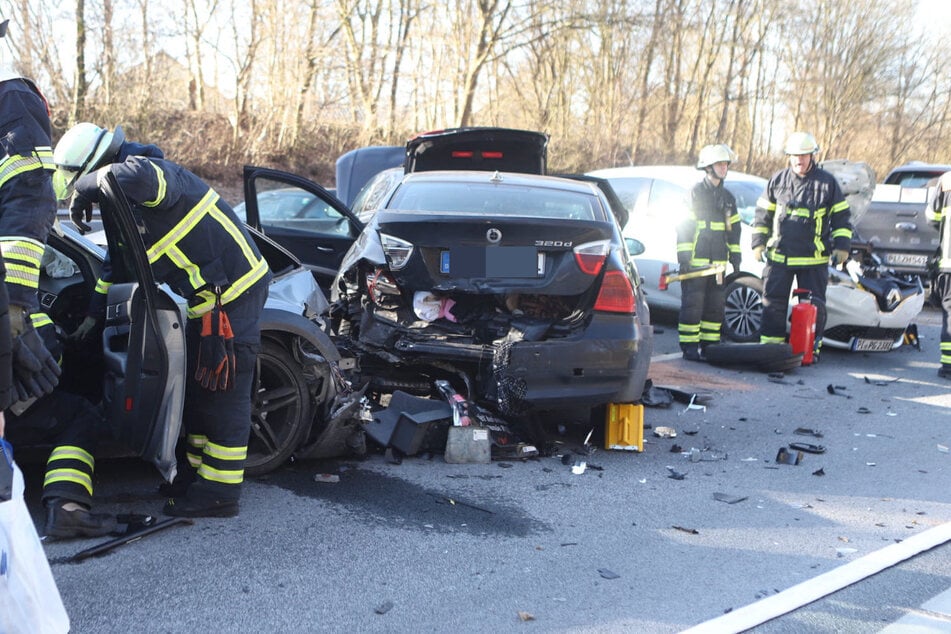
802 332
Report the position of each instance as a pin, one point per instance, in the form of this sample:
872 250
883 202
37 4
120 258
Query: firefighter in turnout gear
708 236
802 219
72 424
27 212
937 212
197 245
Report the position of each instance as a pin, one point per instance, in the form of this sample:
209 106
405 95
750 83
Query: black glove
683 261
34 367
79 209
216 359
735 263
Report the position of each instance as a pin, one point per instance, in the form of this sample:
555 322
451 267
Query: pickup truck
895 226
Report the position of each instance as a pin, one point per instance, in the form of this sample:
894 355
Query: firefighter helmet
84 148
800 143
6 63
710 154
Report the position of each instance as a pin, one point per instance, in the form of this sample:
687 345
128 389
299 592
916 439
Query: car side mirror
634 246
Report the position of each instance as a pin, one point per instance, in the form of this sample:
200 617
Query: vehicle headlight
397 251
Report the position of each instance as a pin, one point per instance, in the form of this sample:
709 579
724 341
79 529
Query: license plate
492 262
872 345
906 259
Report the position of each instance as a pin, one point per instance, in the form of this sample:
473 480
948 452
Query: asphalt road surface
426 546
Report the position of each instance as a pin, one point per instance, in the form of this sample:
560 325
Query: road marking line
801 594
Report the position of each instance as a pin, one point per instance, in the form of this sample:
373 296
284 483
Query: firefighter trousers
942 290
777 284
701 311
217 424
72 425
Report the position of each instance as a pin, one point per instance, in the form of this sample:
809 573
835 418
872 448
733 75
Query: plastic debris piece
608 574
869 464
729 499
326 477
835 390
802 446
384 607
784 456
943 449
683 529
819 472
665 432
675 475
675 448
526 616
864 410
891 413
842 552
692 405
806 431
579 468
750 459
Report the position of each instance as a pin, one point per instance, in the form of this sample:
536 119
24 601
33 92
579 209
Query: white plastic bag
29 599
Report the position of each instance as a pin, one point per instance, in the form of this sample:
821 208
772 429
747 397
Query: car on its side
866 310
136 366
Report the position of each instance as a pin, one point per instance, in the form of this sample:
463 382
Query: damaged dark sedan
516 288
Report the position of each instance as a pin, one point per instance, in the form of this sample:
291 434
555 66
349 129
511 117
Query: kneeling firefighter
197 245
708 236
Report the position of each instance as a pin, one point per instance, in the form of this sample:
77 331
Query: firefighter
27 212
937 212
801 220
73 425
197 245
709 235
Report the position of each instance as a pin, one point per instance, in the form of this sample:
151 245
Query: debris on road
836 390
326 477
801 446
384 607
729 499
665 432
675 475
525 616
689 531
819 472
787 457
805 431
608 574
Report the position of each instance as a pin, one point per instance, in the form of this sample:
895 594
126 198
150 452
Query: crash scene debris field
747 484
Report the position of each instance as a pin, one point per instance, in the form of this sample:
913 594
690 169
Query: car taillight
397 250
591 256
381 285
616 294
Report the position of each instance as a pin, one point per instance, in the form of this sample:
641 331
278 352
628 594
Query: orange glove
216 359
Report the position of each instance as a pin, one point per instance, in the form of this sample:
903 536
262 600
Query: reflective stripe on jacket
195 241
937 212
710 234
27 203
802 219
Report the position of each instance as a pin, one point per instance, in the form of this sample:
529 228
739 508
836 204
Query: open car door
301 216
143 344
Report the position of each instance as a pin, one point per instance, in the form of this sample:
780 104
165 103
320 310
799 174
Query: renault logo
493 235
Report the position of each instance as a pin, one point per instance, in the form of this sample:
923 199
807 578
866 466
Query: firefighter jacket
27 202
801 219
710 233
937 212
195 242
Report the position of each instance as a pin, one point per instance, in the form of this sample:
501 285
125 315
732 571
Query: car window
913 179
667 200
372 196
629 189
487 198
281 205
746 195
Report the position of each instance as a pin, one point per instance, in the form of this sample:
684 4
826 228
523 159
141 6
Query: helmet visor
64 179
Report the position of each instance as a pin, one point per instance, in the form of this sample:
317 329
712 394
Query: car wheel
280 409
743 309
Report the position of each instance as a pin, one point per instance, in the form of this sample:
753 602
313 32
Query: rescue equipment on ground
624 427
802 331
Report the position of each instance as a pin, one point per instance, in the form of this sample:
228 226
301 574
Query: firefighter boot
179 486
201 502
691 351
66 520
945 372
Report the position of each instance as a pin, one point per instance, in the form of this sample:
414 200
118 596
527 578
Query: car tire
280 409
743 309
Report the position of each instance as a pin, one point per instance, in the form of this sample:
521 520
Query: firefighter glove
216 359
34 367
81 209
683 260
840 256
758 253
84 329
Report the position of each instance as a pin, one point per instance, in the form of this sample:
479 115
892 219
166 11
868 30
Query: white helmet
84 148
710 154
6 67
800 143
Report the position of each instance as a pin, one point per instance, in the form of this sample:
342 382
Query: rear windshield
496 200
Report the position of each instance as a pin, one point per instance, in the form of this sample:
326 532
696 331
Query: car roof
685 175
